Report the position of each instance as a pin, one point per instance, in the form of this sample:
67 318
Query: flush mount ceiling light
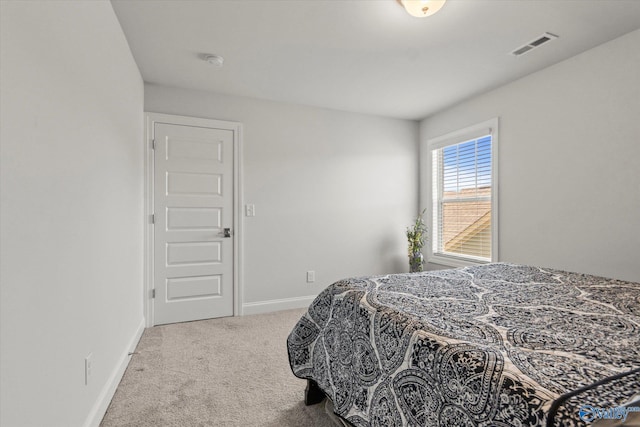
214 60
422 8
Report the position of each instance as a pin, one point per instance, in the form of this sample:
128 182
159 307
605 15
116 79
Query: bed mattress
490 345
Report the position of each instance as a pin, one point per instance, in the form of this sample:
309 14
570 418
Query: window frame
452 138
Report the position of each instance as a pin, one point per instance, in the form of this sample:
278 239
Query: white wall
333 191
71 209
569 161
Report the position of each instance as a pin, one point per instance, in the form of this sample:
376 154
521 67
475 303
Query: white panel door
193 205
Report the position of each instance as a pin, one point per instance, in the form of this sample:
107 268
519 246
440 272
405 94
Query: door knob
227 232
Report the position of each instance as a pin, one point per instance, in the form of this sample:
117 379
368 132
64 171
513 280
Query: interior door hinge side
153 218
153 144
153 293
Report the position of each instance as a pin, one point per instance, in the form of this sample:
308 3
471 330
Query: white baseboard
104 399
276 305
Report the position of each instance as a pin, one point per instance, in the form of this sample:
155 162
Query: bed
490 345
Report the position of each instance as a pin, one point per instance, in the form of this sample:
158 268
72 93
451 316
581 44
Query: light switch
250 210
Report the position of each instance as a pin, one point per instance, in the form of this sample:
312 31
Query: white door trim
236 127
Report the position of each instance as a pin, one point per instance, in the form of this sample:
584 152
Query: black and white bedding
490 345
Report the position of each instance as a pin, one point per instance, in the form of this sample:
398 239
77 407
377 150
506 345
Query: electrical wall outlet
311 276
88 368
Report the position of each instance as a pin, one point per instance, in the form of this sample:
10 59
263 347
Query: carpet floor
228 372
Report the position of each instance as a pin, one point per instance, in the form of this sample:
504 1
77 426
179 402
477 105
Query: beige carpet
222 372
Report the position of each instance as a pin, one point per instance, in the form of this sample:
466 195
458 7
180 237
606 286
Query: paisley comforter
491 345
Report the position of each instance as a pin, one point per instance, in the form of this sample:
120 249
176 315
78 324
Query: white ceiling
366 56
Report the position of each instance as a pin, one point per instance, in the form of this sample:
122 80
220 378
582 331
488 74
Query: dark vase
416 262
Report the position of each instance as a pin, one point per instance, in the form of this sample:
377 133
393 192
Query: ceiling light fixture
422 8
214 60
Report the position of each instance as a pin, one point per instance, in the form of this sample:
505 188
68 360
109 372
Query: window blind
462 198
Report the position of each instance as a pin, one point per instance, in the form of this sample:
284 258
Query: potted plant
416 235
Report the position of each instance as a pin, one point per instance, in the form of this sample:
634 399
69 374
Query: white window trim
468 133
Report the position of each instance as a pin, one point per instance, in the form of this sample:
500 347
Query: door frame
148 262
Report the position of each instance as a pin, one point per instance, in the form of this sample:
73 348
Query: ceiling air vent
545 38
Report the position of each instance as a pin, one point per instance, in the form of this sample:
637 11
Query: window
464 196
